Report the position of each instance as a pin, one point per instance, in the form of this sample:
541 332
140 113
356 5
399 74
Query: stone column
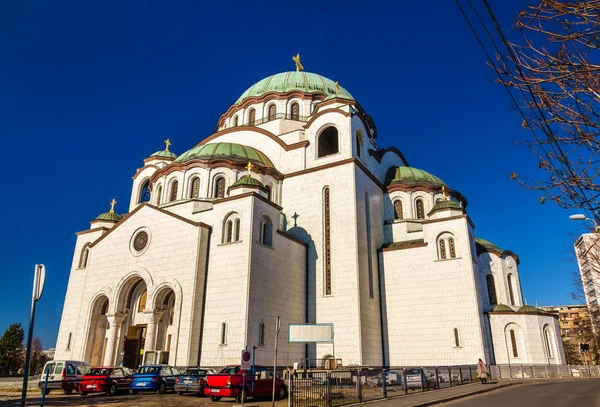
114 321
153 318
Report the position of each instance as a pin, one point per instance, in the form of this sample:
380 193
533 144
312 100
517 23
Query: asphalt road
571 393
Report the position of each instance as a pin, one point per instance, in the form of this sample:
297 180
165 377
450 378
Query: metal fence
543 371
332 388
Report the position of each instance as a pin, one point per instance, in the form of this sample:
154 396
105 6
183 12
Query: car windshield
230 369
49 368
97 371
149 369
195 372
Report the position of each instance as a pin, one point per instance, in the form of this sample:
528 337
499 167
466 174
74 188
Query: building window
442 245
328 142
69 341
173 194
266 231
268 188
452 248
229 237
327 240
398 209
195 188
231 228
456 338
513 341
547 340
510 289
272 112
295 111
359 142
220 188
491 286
420 209
237 230
83 258
235 121
158 194
223 334
261 334
251 117
145 192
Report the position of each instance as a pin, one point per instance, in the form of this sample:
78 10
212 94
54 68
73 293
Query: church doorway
134 328
96 341
164 307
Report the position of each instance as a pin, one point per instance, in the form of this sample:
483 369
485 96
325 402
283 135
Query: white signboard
310 333
246 360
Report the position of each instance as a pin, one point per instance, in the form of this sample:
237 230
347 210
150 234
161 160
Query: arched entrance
132 303
96 341
164 307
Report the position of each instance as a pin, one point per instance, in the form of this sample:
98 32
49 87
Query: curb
463 395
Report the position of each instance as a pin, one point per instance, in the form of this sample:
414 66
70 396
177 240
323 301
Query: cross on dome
295 217
249 168
299 66
112 205
444 193
337 88
167 144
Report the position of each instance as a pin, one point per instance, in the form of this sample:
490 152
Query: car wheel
45 393
238 398
162 388
112 390
132 392
83 393
180 393
215 398
281 392
68 389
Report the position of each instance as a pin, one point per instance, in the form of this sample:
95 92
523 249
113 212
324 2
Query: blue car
157 378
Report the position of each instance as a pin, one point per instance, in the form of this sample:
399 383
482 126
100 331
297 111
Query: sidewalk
441 396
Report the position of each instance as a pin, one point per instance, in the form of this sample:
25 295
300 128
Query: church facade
291 209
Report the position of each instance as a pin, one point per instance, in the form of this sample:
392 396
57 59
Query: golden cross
112 205
337 88
444 192
249 168
167 143
296 60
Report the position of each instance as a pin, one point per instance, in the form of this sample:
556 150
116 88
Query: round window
140 241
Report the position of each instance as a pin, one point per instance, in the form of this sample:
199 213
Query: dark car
109 380
192 381
158 378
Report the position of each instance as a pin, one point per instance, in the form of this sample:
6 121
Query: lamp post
581 216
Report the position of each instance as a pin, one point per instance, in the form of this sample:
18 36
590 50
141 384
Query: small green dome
446 204
248 182
502 308
229 151
486 246
109 216
528 309
410 175
288 81
164 154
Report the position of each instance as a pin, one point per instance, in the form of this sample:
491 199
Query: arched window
261 333
513 341
266 231
272 112
359 141
229 231
420 209
398 209
158 194
510 289
328 142
195 189
231 228
237 230
235 121
442 245
251 117
173 193
452 248
223 334
547 341
456 338
268 188
145 192
295 111
83 258
219 188
491 287
142 301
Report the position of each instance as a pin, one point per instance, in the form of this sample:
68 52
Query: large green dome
288 81
230 151
410 175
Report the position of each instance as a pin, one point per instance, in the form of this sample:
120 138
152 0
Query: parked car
109 380
192 381
230 381
158 378
63 374
417 379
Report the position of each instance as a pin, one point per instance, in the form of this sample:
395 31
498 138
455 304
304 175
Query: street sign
39 279
246 360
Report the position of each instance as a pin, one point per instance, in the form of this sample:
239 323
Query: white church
291 209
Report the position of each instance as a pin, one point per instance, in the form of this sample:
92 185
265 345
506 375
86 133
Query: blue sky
89 89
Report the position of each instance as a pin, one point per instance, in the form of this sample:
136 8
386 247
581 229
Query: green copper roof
410 175
528 309
404 244
485 246
248 181
502 308
164 153
230 151
445 204
287 81
110 216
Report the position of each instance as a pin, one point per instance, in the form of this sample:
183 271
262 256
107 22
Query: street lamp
581 216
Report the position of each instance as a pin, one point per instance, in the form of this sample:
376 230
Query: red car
107 379
230 381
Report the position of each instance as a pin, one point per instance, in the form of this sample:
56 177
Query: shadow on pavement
72 400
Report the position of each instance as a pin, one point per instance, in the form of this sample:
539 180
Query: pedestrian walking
482 371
